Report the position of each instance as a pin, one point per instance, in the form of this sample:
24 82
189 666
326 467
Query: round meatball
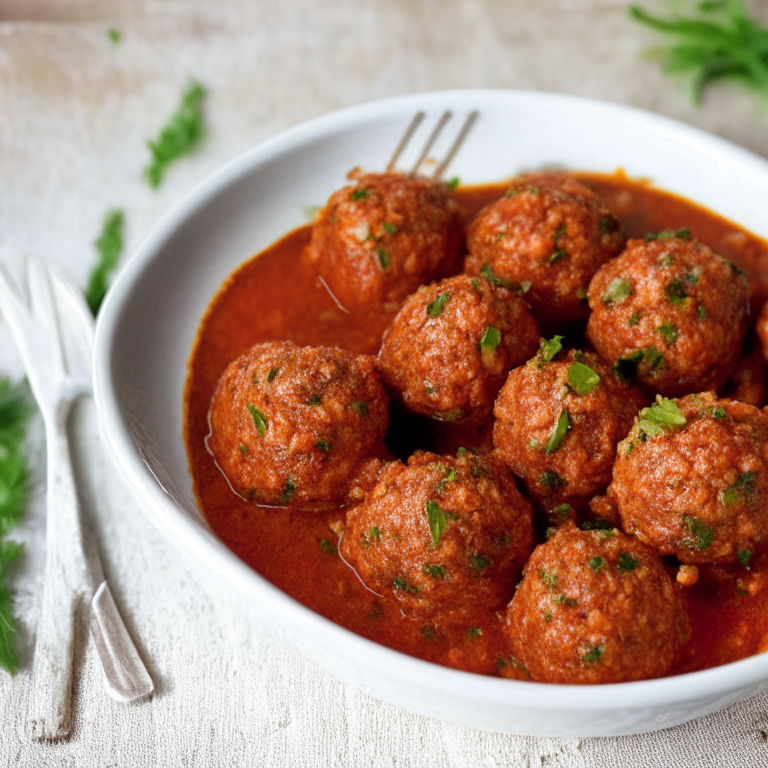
451 346
671 311
547 236
559 419
596 607
380 238
441 535
290 425
691 479
761 326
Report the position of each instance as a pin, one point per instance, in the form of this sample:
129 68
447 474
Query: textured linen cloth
75 110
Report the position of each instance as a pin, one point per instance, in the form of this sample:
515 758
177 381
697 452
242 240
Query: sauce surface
276 295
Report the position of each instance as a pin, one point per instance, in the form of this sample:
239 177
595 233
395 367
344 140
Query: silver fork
55 338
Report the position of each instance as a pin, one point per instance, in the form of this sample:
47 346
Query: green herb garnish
597 563
550 579
664 415
560 253
549 349
359 193
626 367
701 532
259 419
374 534
321 445
271 375
582 378
634 320
675 292
329 549
722 41
384 258
453 183
474 632
490 340
668 234
437 521
561 429
435 571
390 229
110 246
552 480
243 449
402 585
562 511
314 401
744 485
593 654
719 413
479 562
626 562
492 277
668 331
288 489
114 35
434 308
744 556
360 406
180 136
618 291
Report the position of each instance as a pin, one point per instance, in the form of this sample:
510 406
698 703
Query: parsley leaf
434 308
259 419
180 136
490 340
437 521
702 534
618 291
561 429
669 331
582 378
662 416
110 246
549 349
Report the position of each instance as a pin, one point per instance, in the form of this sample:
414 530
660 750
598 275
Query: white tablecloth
75 110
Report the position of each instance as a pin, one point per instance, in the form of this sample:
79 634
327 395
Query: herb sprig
719 41
110 246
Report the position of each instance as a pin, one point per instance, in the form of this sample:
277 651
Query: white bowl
148 323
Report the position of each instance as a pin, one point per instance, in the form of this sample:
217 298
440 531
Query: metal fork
55 338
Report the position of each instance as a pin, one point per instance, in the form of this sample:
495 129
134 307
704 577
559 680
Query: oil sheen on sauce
276 295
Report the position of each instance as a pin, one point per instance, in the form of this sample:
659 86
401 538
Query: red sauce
276 295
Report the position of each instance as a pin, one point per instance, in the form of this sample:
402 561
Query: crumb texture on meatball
691 479
441 535
380 238
596 607
290 425
547 236
451 346
558 421
671 312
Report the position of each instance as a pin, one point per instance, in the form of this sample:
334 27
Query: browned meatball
747 380
290 425
761 326
380 238
596 607
548 235
691 479
451 346
672 311
441 535
558 421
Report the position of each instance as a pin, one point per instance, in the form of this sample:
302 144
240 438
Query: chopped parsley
668 234
384 258
258 418
479 562
561 599
453 183
582 378
744 556
474 632
390 229
626 367
666 260
550 579
435 571
663 416
434 308
490 340
743 486
373 534
402 585
618 291
549 349
702 534
321 445
626 562
560 253
110 246
701 312
243 449
492 277
692 278
552 480
593 654
669 331
437 521
359 193
562 511
360 406
114 35
597 563
329 549
271 375
288 489
180 136
675 292
561 429
718 413
653 357
634 320
314 401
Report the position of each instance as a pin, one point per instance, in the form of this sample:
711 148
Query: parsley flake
561 429
434 308
669 331
402 585
597 563
390 229
271 375
549 349
663 416
675 292
359 193
360 406
618 292
384 258
702 534
437 521
626 562
593 654
552 480
744 556
435 571
490 340
259 419
582 378
110 246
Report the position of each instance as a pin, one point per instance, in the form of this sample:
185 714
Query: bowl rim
194 541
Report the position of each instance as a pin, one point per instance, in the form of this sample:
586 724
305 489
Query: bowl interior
148 324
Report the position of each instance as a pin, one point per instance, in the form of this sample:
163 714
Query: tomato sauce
277 295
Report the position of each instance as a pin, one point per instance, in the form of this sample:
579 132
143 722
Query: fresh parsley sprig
720 41
110 246
15 410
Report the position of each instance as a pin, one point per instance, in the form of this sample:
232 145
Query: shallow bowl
148 323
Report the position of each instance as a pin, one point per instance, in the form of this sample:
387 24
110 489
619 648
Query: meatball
451 346
747 380
559 419
380 238
290 425
671 311
596 607
691 479
761 326
547 236
441 535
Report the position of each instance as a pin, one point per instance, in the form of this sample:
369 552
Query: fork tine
43 309
11 305
409 131
444 118
458 141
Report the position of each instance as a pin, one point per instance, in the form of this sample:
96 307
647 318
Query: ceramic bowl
148 323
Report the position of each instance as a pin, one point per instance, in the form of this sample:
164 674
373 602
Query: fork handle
66 581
